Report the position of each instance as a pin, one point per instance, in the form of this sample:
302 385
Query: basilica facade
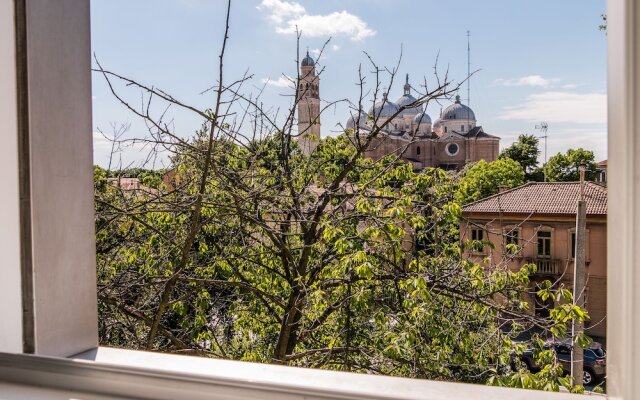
450 142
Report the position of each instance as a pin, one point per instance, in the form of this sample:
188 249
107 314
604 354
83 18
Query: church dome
351 123
458 111
405 100
308 61
384 108
422 118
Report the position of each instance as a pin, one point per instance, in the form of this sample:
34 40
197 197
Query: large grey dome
458 111
422 118
383 109
351 123
405 100
308 61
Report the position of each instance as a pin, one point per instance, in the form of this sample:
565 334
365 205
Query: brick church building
450 142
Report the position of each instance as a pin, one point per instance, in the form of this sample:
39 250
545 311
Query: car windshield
597 352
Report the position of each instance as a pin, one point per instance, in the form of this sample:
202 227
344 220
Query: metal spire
468 73
469 68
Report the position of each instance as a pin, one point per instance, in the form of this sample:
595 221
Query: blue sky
542 60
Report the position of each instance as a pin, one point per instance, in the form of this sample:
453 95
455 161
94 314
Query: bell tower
308 96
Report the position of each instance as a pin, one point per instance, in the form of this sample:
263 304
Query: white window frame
117 372
512 228
552 237
505 232
485 237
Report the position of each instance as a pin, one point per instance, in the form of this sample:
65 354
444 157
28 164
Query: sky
534 60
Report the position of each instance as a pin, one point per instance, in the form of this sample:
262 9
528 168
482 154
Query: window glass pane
544 244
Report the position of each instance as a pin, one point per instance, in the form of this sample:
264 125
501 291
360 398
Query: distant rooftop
543 198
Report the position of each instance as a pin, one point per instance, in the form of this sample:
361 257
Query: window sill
119 373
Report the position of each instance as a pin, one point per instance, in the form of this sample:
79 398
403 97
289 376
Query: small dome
308 61
458 111
422 118
351 123
437 124
384 108
405 100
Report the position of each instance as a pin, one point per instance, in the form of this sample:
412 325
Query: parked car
595 360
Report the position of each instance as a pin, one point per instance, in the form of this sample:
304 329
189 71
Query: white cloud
283 82
278 10
529 80
100 141
335 47
572 85
567 107
289 16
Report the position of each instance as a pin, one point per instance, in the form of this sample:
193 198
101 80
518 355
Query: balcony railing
544 266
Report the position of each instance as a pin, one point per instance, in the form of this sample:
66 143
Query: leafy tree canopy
564 167
287 267
525 151
484 179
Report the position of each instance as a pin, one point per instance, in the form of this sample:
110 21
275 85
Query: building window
418 150
511 241
544 244
572 244
462 128
452 149
513 237
477 234
477 238
445 128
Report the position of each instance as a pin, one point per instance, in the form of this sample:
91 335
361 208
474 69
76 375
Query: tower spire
469 68
407 87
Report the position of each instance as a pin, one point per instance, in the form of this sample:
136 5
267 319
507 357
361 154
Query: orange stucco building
540 218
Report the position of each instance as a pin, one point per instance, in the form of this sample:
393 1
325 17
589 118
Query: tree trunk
288 337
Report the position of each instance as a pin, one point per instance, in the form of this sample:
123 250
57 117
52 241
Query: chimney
502 189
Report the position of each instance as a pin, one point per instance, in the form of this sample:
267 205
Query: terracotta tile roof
543 198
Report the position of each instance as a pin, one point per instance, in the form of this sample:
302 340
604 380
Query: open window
42 229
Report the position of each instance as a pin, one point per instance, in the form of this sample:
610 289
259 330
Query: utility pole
577 354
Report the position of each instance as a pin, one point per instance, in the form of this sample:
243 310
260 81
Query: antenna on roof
543 128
